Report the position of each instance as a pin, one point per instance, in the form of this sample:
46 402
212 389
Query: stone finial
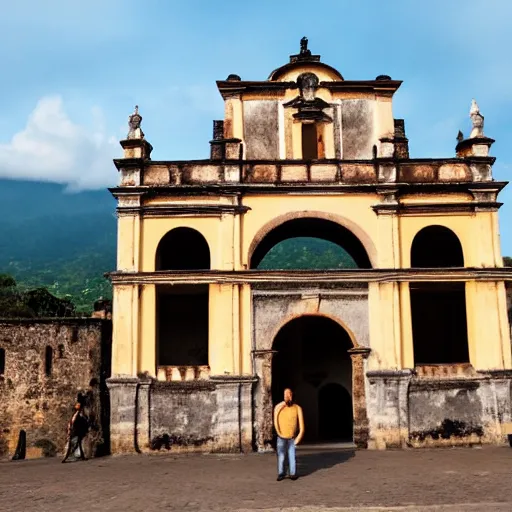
304 46
134 121
135 145
477 144
478 121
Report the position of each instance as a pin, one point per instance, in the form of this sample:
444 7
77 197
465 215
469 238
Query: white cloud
52 147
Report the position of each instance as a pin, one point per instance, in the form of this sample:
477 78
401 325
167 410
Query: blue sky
72 72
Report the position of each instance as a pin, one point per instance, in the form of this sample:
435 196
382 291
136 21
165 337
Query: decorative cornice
414 209
229 88
303 188
184 210
308 276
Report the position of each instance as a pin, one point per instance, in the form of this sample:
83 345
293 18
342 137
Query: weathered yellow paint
128 232
384 334
407 347
147 333
383 119
221 354
245 330
323 74
124 356
489 337
296 140
328 139
435 198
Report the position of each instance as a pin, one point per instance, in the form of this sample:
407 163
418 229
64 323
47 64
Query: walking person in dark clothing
77 429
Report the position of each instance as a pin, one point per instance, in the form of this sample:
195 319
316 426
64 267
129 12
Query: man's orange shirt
287 419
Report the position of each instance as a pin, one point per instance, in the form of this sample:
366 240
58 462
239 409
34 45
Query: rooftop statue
478 121
134 121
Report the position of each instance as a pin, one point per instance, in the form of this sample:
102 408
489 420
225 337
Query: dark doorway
312 359
335 417
309 142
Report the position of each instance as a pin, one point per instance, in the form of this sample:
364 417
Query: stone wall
213 415
410 410
39 399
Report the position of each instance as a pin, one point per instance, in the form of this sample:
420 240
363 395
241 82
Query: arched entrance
343 248
312 358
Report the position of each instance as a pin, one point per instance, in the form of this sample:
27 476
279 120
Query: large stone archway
346 311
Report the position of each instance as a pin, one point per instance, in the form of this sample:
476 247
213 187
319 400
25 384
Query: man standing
287 419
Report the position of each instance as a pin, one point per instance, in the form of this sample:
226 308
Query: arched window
436 246
48 361
183 249
182 311
438 309
2 361
309 243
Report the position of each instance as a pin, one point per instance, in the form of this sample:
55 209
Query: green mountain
60 240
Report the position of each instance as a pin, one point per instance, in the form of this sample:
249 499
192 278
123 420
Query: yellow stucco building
408 344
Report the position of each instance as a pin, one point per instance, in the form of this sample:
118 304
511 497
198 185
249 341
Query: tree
507 261
6 281
38 303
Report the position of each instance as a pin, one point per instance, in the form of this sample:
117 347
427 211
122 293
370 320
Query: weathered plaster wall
261 133
273 308
40 404
358 128
413 411
211 416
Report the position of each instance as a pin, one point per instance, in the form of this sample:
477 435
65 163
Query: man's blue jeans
285 446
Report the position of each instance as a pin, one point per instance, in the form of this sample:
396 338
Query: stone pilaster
233 432
123 414
359 356
142 425
263 400
388 408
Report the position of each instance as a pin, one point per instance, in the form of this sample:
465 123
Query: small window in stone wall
2 361
61 351
48 361
74 334
309 142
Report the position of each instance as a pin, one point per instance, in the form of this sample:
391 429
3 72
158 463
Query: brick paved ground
471 479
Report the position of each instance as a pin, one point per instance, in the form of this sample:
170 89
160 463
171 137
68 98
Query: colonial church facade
406 345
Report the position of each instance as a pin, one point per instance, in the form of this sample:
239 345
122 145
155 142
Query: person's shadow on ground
309 462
